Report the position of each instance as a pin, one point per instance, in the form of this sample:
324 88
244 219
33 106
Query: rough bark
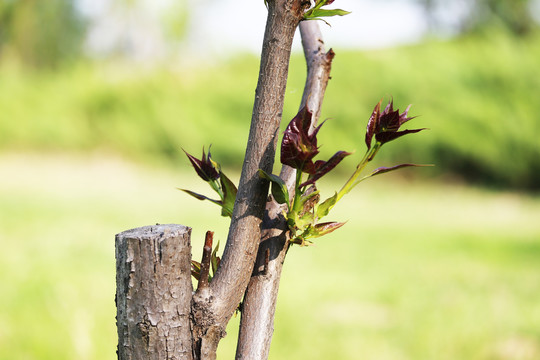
214 306
153 293
257 323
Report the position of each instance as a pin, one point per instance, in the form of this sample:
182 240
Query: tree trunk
153 293
214 306
257 322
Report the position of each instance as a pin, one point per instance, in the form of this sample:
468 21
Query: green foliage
41 34
175 20
483 15
477 95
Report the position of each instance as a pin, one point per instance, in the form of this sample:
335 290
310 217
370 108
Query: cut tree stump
153 293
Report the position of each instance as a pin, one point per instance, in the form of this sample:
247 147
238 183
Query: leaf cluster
303 207
317 13
299 147
210 171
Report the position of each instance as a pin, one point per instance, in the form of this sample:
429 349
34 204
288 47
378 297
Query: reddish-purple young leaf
372 123
403 117
299 146
388 121
205 167
325 228
385 137
383 170
385 125
323 167
201 197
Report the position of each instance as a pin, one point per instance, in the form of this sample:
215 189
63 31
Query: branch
214 306
257 323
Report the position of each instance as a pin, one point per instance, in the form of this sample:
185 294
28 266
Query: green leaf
229 194
319 3
315 14
316 18
299 240
215 259
304 221
279 189
324 208
308 202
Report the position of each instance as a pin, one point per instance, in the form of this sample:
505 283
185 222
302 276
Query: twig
206 260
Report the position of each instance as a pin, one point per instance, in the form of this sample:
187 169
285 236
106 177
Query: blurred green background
434 263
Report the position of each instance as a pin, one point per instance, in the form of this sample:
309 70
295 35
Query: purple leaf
383 170
372 123
385 137
323 167
205 167
202 197
385 125
299 146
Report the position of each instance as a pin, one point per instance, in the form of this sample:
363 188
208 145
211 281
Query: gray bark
257 322
153 293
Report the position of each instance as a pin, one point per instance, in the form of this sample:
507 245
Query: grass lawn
422 270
